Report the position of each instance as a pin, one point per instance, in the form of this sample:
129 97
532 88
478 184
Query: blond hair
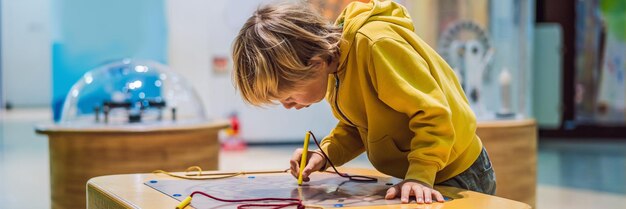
272 51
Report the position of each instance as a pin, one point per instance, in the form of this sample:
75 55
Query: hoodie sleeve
403 80
342 144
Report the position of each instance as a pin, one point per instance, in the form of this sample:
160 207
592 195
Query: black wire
357 178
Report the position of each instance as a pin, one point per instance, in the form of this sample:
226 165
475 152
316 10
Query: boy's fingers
313 162
294 168
294 174
419 194
438 196
311 166
297 154
427 195
318 160
293 165
295 162
405 192
391 193
307 171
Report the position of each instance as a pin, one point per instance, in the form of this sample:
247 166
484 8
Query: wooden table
78 154
512 148
128 191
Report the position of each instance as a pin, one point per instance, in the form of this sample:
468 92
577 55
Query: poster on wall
600 62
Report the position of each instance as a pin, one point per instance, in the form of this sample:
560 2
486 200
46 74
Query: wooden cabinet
78 154
512 148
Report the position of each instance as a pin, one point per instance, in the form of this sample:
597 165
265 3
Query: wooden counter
129 191
512 148
78 154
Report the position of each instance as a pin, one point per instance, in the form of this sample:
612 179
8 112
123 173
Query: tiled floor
572 175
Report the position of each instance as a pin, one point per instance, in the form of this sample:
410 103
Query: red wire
357 178
291 201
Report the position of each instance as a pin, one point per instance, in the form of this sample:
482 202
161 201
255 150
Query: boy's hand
315 162
422 193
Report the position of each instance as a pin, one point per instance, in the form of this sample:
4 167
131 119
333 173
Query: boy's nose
288 105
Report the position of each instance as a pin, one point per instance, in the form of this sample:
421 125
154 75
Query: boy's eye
288 99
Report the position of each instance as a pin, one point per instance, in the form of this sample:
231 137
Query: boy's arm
342 144
403 80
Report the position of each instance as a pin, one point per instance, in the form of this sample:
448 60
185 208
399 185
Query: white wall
26 52
200 30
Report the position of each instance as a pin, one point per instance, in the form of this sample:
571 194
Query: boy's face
310 91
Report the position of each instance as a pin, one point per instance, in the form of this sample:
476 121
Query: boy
394 96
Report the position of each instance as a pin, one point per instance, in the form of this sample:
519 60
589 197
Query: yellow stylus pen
305 150
184 203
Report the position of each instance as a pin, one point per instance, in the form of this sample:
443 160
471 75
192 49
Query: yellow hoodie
397 99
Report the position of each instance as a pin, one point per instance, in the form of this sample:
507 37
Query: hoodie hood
357 14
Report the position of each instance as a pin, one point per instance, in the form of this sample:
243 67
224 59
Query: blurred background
557 65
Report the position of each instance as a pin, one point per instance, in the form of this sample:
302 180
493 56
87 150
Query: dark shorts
479 177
